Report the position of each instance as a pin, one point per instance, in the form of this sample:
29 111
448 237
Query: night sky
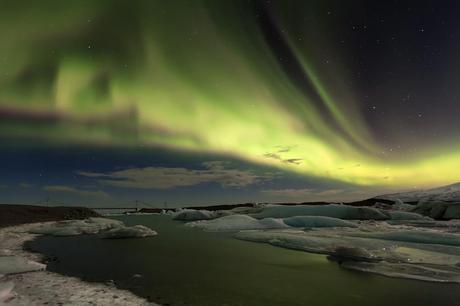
209 102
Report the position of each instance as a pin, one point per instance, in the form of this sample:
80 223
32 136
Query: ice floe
108 228
76 227
317 221
137 231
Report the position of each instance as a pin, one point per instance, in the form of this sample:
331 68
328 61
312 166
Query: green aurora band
190 75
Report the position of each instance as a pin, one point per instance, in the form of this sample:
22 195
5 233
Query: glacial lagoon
188 266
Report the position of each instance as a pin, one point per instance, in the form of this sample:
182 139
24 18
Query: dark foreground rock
20 214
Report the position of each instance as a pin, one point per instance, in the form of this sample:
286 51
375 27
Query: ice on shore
16 264
330 210
6 292
137 231
194 215
76 227
237 223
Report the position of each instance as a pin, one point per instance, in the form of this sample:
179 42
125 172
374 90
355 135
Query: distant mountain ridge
449 193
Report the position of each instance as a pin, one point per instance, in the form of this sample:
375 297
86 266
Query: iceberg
317 221
16 264
137 231
237 223
194 215
76 227
330 210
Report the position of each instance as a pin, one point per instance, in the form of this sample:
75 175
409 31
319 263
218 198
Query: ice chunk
136 231
317 221
76 227
16 264
237 223
194 215
403 215
331 210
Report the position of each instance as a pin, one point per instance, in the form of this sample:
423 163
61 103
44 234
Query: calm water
184 266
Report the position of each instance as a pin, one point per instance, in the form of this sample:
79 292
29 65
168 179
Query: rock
342 254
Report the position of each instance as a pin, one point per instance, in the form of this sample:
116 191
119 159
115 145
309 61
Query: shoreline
48 288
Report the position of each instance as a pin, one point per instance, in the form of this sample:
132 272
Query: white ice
194 215
136 231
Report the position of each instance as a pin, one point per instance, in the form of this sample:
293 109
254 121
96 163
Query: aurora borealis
358 93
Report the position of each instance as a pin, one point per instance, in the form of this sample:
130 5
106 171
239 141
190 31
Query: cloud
295 161
166 178
76 191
